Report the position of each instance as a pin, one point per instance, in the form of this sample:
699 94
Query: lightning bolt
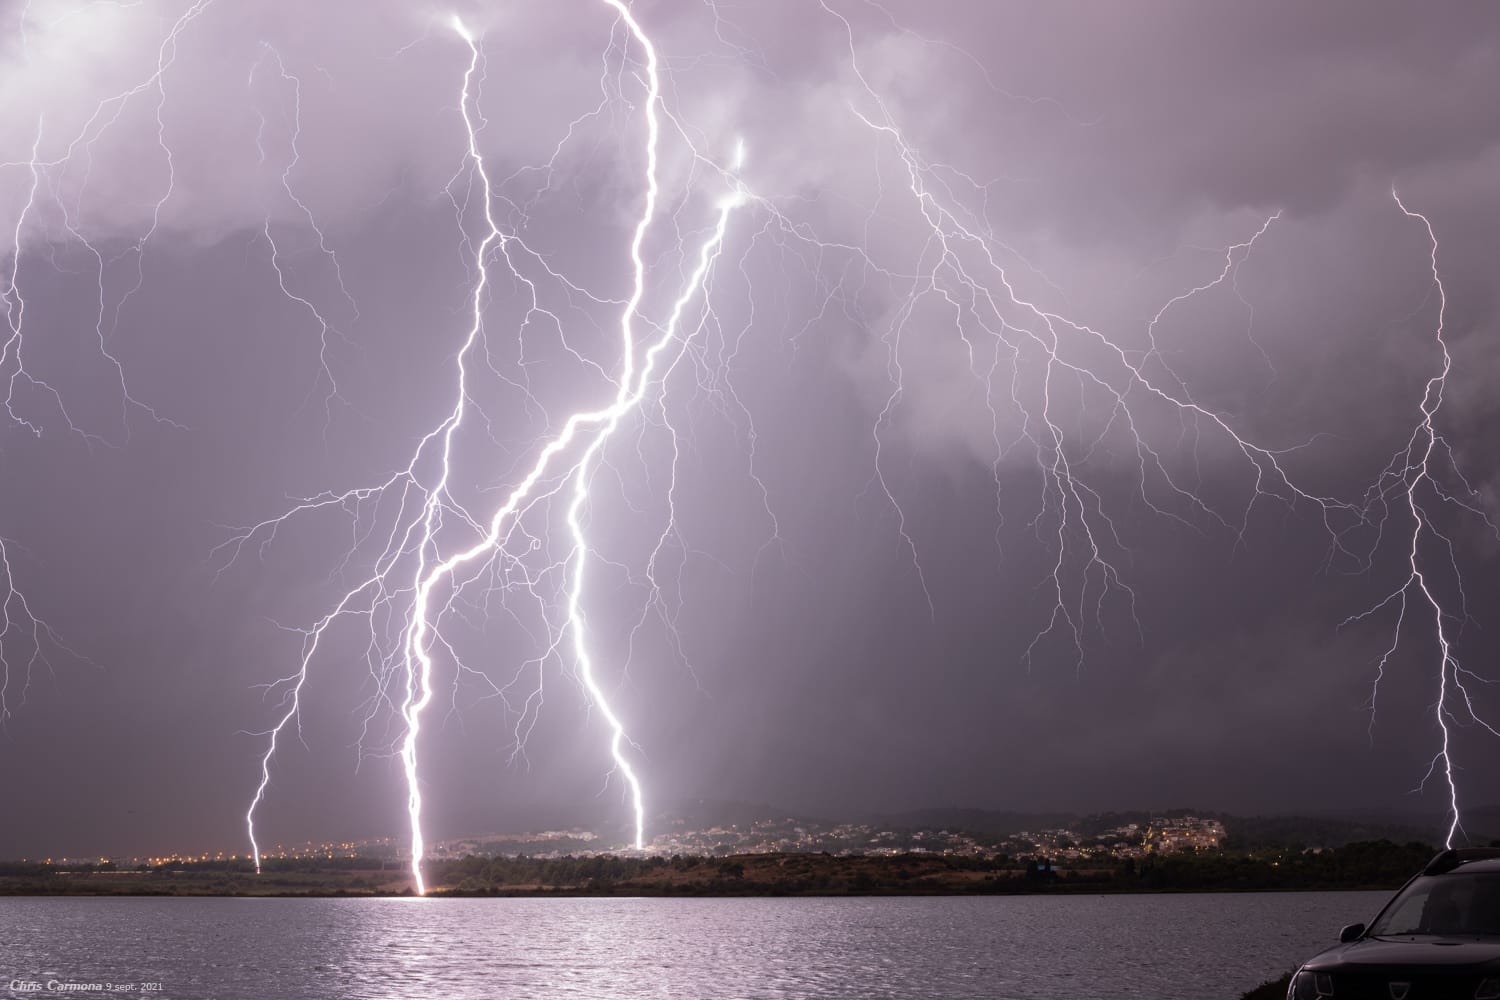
964 265
967 269
1412 482
326 328
15 611
30 400
568 461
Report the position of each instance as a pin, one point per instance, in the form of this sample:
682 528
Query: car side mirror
1351 933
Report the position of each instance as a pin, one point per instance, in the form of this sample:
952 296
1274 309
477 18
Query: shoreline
1381 867
566 893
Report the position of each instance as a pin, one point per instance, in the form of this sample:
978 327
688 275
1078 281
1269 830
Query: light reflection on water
1017 948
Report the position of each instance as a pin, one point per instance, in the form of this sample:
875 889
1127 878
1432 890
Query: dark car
1437 939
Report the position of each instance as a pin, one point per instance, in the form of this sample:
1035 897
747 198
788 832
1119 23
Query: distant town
1160 835
739 849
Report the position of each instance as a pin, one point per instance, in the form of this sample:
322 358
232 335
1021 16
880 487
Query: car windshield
1457 904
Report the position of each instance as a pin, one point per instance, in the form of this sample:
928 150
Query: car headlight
1308 985
1488 990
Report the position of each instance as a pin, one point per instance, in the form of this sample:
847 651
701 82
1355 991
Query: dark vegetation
279 877
1368 865
1362 865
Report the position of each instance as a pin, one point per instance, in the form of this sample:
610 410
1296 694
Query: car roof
1467 859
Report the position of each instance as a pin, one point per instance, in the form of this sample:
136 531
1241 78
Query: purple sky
873 482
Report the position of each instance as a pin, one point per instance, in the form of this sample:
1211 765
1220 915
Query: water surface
1015 948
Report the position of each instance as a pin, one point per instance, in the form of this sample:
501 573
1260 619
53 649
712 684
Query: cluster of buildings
379 847
576 842
789 835
1184 833
1162 835
1068 845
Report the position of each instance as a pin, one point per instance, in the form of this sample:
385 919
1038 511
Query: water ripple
1019 948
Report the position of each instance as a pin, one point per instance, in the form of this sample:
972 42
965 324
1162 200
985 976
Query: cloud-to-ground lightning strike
1411 482
576 449
443 535
967 267
598 426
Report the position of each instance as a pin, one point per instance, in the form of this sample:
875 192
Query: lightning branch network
429 554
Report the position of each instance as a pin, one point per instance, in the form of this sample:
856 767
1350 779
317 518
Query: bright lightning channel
1407 478
586 432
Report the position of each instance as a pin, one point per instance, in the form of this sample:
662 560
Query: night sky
869 585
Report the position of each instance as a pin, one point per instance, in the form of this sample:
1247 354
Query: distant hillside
1248 833
1245 832
1483 823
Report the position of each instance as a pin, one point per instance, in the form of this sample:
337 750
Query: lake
1198 946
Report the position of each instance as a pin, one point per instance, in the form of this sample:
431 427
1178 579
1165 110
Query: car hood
1436 953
